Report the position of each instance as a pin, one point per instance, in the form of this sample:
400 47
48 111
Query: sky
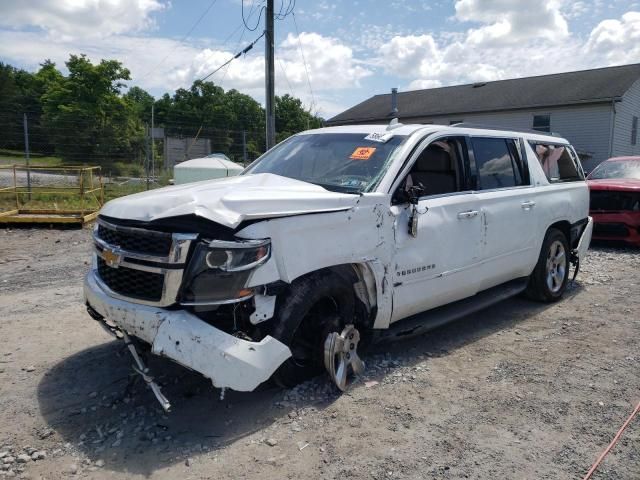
330 54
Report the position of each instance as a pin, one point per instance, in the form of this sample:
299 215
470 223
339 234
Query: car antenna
393 124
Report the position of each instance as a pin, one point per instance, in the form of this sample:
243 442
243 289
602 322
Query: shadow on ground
89 400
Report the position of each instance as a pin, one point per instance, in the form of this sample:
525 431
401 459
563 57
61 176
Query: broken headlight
219 270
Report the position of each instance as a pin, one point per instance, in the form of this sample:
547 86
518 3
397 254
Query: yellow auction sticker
362 153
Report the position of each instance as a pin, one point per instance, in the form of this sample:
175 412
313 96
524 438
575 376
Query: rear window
498 162
559 162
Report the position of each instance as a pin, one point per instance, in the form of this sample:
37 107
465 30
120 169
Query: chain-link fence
145 155
47 165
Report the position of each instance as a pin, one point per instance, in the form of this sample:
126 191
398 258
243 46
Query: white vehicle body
406 258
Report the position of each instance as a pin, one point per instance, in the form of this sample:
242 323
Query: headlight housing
219 271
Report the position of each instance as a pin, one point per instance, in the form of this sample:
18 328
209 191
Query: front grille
610 230
148 242
132 283
145 266
612 201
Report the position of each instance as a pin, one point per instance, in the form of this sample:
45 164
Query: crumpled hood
230 201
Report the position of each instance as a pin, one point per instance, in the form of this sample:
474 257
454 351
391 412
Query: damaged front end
187 296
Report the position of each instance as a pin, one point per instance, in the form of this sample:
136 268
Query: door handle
468 214
528 205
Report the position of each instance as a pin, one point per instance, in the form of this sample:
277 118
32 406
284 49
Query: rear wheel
549 279
314 307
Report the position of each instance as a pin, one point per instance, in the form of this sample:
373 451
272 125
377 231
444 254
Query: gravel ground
519 390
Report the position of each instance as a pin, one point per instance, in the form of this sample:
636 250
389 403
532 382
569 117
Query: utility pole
147 153
244 148
153 145
25 126
270 96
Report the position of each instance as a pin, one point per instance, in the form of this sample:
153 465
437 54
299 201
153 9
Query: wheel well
564 227
362 280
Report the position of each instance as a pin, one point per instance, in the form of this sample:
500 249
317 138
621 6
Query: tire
313 307
548 281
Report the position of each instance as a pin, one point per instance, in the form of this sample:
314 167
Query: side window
438 170
499 163
542 123
558 162
634 130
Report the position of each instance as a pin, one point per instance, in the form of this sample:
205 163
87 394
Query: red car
615 200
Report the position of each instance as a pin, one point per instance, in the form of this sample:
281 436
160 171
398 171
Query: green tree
87 118
292 117
21 93
141 102
10 115
205 110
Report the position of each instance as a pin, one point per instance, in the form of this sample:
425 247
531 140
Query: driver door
439 265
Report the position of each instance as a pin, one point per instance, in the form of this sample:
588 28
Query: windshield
342 162
617 169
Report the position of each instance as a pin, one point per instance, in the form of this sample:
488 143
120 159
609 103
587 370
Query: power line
285 75
304 60
244 20
226 72
243 51
226 40
290 7
197 22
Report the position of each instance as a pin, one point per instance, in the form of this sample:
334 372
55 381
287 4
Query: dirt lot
520 390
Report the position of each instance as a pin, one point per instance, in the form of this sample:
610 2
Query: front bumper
618 226
228 361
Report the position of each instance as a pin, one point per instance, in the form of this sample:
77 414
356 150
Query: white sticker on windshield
379 137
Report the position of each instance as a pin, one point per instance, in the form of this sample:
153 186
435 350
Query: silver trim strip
177 256
238 244
219 302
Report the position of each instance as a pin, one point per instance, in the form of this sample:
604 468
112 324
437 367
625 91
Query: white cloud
575 9
428 62
331 64
411 55
421 57
617 41
80 18
512 21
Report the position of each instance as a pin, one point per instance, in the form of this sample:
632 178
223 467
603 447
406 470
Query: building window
634 130
542 123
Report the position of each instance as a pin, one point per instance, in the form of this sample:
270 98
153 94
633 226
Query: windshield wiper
338 188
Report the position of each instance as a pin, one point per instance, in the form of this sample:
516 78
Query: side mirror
414 193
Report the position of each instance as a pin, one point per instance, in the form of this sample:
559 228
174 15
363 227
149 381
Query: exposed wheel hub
341 356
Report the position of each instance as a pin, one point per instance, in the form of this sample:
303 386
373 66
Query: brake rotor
341 356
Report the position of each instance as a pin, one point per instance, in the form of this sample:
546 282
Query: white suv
337 233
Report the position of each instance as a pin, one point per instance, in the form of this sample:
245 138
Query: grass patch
11 157
69 199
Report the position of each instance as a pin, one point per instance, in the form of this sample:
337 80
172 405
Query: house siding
628 108
587 127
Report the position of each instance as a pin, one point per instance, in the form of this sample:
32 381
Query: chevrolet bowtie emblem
111 258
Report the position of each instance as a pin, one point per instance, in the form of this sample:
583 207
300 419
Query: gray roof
586 86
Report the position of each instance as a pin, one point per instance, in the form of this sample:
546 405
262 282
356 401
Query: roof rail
497 127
